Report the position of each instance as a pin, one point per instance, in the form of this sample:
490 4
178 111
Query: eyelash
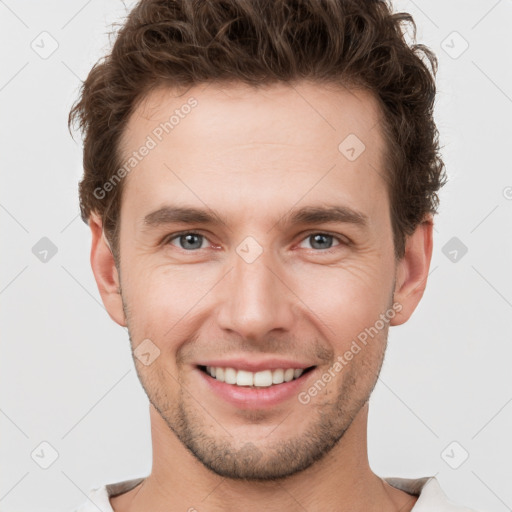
342 241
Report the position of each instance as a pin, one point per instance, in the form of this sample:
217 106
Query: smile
264 378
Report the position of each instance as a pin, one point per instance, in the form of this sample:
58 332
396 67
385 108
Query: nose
256 299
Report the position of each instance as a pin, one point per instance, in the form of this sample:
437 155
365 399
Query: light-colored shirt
431 497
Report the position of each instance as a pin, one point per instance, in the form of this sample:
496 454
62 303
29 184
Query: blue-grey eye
321 241
189 241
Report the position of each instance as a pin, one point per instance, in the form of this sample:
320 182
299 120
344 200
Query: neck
341 481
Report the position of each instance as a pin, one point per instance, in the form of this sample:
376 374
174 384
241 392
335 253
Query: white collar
431 497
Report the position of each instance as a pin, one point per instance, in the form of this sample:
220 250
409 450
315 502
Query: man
260 179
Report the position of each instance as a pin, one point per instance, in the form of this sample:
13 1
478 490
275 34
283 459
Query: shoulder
430 495
98 498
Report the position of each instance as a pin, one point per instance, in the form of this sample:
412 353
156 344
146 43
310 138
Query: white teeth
230 376
297 373
278 376
264 378
244 378
288 374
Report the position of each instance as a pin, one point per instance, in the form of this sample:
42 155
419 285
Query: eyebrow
309 215
321 214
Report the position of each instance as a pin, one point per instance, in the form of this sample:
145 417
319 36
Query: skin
253 156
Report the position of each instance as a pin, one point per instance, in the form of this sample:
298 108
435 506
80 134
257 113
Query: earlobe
412 270
105 271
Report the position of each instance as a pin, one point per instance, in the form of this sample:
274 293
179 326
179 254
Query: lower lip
244 397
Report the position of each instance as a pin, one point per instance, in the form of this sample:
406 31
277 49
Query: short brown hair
181 43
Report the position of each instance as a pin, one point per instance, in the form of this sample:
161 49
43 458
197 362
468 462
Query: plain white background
67 377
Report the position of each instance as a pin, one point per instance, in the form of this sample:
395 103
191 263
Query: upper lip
255 365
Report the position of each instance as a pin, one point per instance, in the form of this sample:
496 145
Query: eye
188 240
191 241
323 241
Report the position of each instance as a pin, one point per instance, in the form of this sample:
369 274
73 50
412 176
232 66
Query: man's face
259 285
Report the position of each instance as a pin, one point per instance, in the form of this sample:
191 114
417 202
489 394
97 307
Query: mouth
261 379
262 390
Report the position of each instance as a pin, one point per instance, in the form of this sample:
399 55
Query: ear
105 271
412 270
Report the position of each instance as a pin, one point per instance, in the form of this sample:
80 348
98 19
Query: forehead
265 114
273 143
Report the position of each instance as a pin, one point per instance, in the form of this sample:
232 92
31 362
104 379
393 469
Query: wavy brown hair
353 43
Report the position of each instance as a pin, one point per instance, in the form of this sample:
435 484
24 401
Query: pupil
189 239
321 238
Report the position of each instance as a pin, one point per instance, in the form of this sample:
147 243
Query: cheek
346 299
162 300
165 300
